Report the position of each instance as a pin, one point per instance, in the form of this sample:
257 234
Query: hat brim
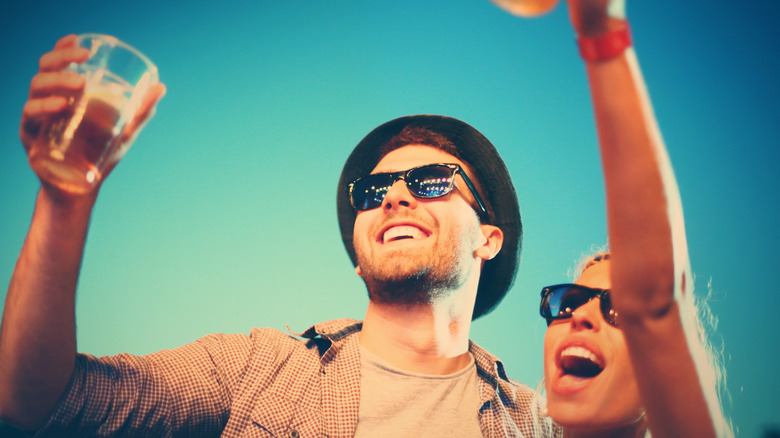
475 149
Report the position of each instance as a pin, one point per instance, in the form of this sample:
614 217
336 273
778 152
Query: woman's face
589 379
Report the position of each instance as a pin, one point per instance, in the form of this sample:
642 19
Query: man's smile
401 232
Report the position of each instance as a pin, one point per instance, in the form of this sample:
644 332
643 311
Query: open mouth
402 232
580 362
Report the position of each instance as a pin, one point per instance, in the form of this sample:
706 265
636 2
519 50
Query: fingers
35 113
149 102
51 80
50 93
51 90
65 52
145 112
146 109
60 83
66 41
44 107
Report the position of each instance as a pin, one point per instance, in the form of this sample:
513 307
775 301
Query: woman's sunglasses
424 182
561 300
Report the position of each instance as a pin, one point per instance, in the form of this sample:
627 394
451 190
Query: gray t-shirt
395 403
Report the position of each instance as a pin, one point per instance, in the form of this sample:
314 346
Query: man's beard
414 278
421 286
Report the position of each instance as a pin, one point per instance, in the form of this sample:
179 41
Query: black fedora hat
499 193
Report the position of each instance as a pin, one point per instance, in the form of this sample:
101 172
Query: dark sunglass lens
565 300
606 309
368 192
430 181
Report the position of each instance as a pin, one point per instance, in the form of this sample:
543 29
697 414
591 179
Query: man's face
412 250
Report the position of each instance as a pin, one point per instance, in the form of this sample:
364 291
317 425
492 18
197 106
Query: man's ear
358 271
494 238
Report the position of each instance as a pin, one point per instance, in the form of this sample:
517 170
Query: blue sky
222 215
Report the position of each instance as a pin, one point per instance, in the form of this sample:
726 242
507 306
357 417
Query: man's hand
54 88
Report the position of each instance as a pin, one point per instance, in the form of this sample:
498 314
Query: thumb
145 111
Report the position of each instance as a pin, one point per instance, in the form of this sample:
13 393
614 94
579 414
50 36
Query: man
430 218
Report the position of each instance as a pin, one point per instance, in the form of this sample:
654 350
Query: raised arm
650 267
37 335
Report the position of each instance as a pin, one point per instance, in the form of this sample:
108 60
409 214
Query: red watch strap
605 46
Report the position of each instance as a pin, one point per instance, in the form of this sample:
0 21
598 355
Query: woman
591 386
630 361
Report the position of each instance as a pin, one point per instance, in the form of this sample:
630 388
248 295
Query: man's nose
399 196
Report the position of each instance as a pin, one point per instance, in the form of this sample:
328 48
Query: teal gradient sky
222 215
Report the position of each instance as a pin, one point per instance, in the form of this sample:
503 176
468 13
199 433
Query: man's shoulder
515 401
273 339
334 329
491 368
318 336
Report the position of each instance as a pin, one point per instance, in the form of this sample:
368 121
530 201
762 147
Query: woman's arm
650 266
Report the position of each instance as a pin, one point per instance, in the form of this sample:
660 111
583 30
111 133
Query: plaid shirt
261 385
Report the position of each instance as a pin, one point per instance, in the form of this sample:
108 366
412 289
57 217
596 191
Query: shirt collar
334 330
489 367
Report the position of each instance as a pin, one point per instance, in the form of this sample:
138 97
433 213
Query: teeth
402 232
580 352
580 362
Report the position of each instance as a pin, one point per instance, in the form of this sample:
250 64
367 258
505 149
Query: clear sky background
222 215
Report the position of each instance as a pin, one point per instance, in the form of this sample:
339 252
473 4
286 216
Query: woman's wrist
604 43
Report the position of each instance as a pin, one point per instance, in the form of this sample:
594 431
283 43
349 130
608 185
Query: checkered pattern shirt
266 384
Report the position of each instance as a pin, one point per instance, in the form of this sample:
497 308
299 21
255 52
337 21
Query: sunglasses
424 182
561 300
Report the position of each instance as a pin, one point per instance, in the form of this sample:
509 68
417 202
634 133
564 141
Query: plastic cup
527 8
73 148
